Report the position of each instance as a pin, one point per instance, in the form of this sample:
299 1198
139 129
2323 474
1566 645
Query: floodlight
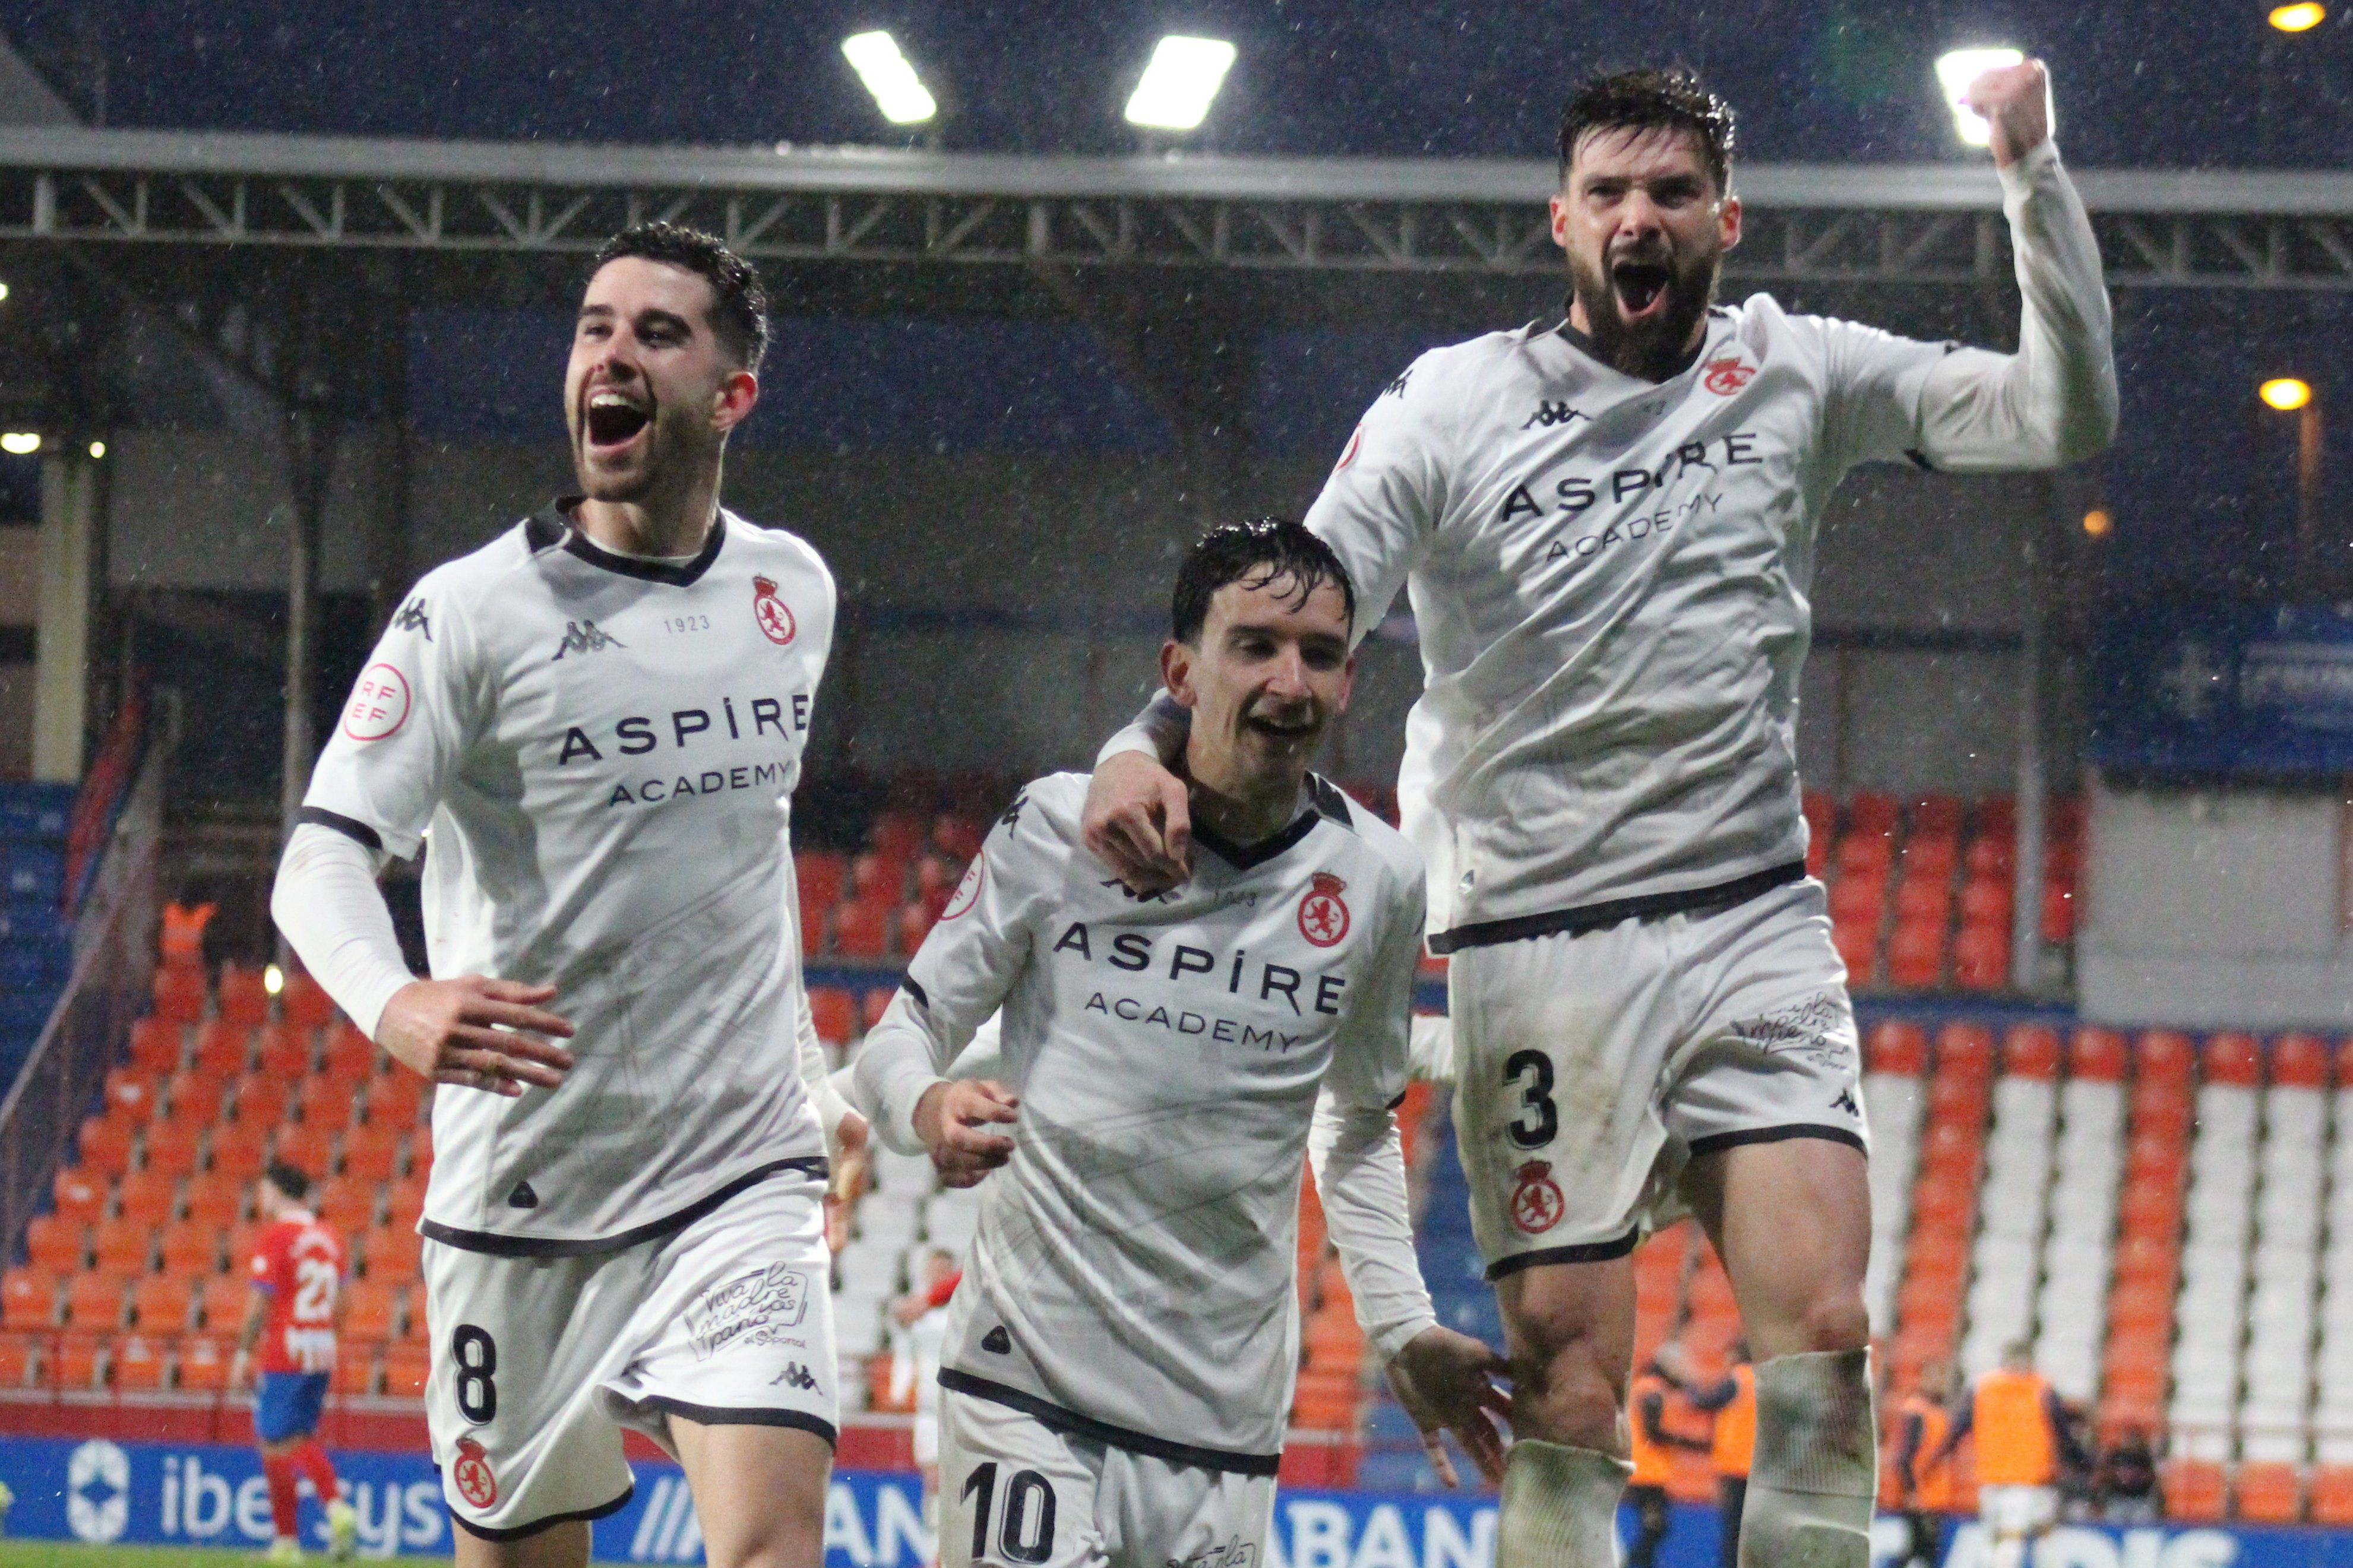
898 92
2097 523
1179 83
1954 71
273 979
20 443
4 291
2286 394
2299 18
98 448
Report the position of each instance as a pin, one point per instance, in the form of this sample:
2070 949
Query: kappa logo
1323 913
1396 387
775 618
1548 415
1536 1202
586 637
473 1473
1845 1102
1727 376
794 1375
412 618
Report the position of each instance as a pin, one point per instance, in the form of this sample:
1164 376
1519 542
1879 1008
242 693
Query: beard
1657 345
672 456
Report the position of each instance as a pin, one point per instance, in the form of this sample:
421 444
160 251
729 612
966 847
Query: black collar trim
1583 344
1250 857
554 526
1330 802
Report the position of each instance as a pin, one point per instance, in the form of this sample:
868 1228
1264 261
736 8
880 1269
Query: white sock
1560 1507
1815 1483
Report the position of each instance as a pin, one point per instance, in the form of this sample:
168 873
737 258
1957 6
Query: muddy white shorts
1014 1490
539 1362
1590 1069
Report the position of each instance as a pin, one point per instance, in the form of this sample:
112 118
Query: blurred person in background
1924 1467
1732 1448
1653 1447
2125 1484
2021 1435
919 1321
296 1270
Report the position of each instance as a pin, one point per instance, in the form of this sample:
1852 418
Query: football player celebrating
1608 529
600 715
1118 1361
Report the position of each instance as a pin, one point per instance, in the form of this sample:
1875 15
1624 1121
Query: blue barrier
100 1490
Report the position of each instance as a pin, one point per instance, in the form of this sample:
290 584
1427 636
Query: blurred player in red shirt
298 1272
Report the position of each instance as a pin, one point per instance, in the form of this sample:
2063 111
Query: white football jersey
1610 575
604 750
1133 1277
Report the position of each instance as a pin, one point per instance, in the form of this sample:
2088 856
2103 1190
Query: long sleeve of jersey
1358 1159
1973 410
959 976
327 902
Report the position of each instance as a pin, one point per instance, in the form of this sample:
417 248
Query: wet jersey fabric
603 750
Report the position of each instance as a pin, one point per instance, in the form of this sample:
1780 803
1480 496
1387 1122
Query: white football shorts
1016 1492
1590 1069
539 1362
2018 1511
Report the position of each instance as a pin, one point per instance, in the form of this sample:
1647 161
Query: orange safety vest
184 930
1653 1462
2013 1427
1735 1428
1932 1484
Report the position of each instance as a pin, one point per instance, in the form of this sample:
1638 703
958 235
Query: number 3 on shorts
477 1355
1025 1489
1538 1122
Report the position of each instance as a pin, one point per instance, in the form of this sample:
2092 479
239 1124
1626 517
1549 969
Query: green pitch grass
72 1554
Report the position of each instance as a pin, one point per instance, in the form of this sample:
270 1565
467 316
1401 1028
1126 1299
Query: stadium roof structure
1884 224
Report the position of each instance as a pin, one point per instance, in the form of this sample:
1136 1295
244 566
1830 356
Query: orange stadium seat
140 1363
194 1094
105 1143
350 1056
1915 954
191 1248
345 1206
1897 1046
122 1246
305 1003
405 1367
55 1245
2058 912
282 1051
170 1145
77 1195
308 1146
396 1097
392 1253
355 1366
2332 1494
2194 1489
94 1300
259 1098
1859 899
243 997
151 1196
1858 949
325 1101
2234 1058
215 1199
372 1152
130 1092
1925 898
236 1149
220 1299
180 994
834 1013
76 1361
420 1149
915 922
2301 1061
222 1049
2270 1492
19 1358
28 1299
204 1364
240 1250
1981 957
404 1200
161 1303
155 1046
861 929
372 1309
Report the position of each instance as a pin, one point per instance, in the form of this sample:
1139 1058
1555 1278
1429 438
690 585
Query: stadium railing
114 960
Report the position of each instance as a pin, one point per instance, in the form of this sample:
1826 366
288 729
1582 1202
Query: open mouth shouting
614 421
1288 728
1641 286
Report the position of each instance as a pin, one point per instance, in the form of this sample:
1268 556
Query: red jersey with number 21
299 1265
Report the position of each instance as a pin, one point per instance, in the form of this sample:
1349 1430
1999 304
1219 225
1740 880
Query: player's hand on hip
478 1033
1139 821
953 1120
1446 1382
2016 103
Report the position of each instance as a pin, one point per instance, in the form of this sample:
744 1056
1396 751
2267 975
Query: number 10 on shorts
1026 1532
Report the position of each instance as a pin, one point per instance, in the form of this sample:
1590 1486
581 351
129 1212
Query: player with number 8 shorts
1606 524
599 717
